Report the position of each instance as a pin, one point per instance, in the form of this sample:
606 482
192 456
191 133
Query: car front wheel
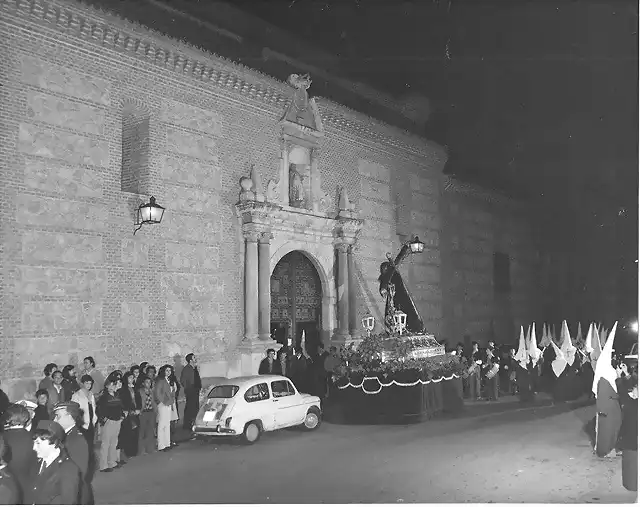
251 433
312 419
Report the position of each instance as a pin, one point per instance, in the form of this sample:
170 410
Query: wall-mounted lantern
150 213
416 245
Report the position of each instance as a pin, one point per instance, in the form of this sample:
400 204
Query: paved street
530 455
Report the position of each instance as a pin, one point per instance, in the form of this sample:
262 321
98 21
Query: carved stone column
264 286
251 285
343 291
353 307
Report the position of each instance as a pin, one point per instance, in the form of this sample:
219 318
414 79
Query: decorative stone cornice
265 216
95 25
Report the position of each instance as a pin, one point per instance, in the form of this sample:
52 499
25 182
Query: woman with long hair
165 398
131 404
69 382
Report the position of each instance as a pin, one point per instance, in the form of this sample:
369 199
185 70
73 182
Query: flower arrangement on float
391 358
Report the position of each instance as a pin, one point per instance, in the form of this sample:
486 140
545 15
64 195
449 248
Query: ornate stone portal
285 218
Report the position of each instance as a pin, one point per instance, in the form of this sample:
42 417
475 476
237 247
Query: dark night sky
533 92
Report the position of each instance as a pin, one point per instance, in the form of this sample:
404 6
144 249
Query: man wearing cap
56 478
66 414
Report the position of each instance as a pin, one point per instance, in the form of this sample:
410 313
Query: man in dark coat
66 415
56 478
299 371
191 383
19 454
268 366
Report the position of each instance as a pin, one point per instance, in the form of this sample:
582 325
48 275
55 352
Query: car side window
282 388
259 392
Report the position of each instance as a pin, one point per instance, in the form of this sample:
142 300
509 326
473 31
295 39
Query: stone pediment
266 216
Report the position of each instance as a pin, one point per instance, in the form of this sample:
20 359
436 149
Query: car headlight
227 422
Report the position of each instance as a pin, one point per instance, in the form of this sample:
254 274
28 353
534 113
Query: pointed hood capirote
560 362
522 355
566 346
604 368
534 351
588 345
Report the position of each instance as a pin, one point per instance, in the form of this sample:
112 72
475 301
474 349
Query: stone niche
298 179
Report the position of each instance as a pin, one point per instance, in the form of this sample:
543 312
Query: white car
247 406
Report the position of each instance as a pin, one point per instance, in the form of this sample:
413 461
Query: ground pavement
534 454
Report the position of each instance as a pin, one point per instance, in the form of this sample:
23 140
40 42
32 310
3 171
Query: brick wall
87 95
477 225
98 114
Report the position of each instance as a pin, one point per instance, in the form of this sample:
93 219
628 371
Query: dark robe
609 418
628 443
59 483
299 373
523 379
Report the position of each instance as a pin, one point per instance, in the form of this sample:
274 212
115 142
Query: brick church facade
98 114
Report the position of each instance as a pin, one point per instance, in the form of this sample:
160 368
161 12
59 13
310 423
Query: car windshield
223 392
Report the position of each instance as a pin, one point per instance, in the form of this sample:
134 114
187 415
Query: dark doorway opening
296 302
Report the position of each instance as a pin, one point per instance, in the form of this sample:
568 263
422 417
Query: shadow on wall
178 365
370 297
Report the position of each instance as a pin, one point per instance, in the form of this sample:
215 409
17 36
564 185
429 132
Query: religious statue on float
395 292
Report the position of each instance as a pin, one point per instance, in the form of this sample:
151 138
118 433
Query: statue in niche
296 190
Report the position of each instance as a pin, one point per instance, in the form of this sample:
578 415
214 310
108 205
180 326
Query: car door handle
275 400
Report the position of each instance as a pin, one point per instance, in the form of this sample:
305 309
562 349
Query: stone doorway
296 301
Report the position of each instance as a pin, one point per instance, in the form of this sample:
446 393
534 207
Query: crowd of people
310 373
48 449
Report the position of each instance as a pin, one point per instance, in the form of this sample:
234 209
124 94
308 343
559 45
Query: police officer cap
53 427
71 407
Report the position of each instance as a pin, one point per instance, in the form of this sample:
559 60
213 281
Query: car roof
250 380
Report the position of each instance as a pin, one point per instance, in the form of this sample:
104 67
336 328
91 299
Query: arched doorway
296 301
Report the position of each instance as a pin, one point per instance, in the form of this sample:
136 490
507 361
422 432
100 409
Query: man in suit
56 391
56 478
66 414
19 454
191 383
268 365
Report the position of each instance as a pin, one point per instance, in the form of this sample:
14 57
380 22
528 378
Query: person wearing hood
628 441
605 387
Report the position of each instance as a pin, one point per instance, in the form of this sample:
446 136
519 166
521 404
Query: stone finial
257 188
246 192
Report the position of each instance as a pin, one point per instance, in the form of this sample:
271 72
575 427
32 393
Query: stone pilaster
353 308
251 285
343 292
264 286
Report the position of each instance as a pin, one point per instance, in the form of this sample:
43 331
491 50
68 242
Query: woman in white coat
85 398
